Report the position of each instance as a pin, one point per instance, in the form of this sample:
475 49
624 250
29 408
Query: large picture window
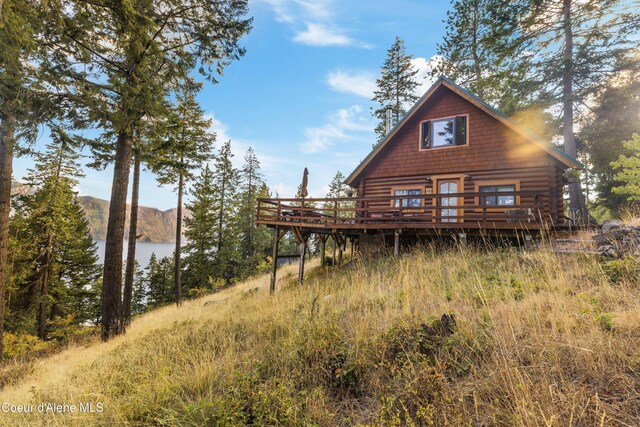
497 200
407 202
444 132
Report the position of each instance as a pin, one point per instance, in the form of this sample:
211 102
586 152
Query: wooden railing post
274 259
335 211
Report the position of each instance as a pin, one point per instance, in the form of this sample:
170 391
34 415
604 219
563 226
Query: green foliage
54 270
395 87
159 281
480 51
613 120
629 169
622 270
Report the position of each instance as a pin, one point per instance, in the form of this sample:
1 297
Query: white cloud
424 67
313 22
321 35
361 83
340 127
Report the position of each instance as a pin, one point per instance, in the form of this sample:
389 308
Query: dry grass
541 340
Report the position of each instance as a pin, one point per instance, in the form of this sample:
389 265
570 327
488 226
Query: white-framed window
407 202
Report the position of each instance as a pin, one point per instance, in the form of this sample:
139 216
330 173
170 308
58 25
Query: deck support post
335 244
396 243
274 259
303 249
323 248
463 238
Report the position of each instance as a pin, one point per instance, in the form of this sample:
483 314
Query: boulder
618 240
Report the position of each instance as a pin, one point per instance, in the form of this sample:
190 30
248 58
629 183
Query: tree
480 50
225 187
135 54
254 240
159 281
201 234
63 257
18 111
629 173
613 119
574 46
395 87
183 147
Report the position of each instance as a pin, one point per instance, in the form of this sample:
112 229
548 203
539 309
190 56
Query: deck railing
454 210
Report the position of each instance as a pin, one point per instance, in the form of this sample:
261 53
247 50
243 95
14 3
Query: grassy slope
540 340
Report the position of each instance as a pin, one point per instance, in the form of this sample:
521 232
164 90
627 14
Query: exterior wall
493 152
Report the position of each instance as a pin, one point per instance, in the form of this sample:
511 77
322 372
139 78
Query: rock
611 224
608 251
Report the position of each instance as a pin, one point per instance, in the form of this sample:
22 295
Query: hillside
529 339
154 224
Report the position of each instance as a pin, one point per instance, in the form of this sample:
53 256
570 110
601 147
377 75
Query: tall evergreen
183 147
575 46
482 51
63 255
201 234
226 191
395 87
613 119
253 239
136 53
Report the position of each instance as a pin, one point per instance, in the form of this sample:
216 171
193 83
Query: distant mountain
153 224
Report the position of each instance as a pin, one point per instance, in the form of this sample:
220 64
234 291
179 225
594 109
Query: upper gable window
445 132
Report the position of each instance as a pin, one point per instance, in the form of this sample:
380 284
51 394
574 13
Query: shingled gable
552 150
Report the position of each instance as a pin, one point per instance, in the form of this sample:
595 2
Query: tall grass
539 340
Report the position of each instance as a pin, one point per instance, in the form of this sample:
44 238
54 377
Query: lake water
143 251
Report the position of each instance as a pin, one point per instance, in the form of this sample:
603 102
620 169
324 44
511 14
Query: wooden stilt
352 245
274 258
335 244
323 248
396 243
303 249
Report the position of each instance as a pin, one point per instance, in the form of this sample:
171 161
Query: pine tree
140 293
159 281
183 147
574 46
136 54
225 186
482 50
395 87
201 234
63 254
629 170
253 239
613 119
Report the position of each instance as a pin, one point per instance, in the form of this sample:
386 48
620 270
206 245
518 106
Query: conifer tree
395 87
225 186
481 51
201 234
64 259
136 54
184 146
253 239
574 46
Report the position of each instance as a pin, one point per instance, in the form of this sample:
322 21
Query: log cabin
452 166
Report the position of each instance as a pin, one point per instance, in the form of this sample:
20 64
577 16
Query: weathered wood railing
428 210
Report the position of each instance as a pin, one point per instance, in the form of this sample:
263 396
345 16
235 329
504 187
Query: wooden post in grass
274 258
396 243
323 247
302 241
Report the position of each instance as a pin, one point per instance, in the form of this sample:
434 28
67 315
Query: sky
301 96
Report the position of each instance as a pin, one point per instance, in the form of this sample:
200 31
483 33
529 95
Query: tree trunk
112 275
474 50
176 257
7 123
44 291
578 207
131 244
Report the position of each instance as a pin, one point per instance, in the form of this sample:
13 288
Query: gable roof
551 149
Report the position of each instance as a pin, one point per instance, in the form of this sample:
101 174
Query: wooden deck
427 211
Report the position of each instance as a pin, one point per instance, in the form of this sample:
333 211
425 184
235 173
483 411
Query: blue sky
301 95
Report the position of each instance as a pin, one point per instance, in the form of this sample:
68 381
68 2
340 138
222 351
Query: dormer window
447 132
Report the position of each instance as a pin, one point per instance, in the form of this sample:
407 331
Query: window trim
435 190
466 115
422 188
478 184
